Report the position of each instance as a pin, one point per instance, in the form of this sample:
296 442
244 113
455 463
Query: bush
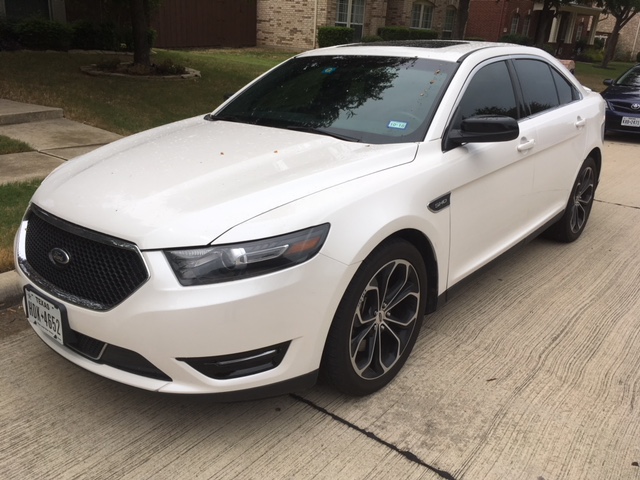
590 55
40 34
404 33
330 36
371 38
169 68
8 35
638 57
517 39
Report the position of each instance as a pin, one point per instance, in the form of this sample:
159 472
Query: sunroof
411 43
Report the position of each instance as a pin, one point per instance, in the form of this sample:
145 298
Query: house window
579 31
449 22
422 15
515 20
526 25
351 14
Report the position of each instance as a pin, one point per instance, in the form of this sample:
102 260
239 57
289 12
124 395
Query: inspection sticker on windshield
397 125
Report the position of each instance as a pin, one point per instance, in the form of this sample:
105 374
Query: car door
553 108
491 183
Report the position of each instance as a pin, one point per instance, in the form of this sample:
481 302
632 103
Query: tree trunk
541 33
612 43
140 25
463 16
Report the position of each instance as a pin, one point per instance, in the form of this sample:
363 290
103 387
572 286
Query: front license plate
630 122
46 314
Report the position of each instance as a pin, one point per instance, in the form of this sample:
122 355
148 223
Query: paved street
531 372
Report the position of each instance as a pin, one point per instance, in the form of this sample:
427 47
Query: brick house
628 42
492 19
293 24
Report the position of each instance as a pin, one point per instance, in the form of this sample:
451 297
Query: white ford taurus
308 224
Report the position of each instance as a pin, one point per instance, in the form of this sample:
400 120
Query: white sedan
309 223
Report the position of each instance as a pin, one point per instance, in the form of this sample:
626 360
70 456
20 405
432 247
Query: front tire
572 224
378 320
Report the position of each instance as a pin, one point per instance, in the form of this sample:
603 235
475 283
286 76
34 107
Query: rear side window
567 93
490 92
538 85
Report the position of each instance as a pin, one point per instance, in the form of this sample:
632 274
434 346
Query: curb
10 289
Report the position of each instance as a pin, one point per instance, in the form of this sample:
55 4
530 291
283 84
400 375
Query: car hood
187 183
622 92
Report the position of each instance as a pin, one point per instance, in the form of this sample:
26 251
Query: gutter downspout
315 25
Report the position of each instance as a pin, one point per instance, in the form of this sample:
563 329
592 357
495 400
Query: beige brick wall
629 41
289 24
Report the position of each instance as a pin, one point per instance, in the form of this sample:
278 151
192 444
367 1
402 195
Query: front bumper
613 122
174 328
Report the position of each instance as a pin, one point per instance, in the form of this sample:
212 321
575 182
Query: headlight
223 263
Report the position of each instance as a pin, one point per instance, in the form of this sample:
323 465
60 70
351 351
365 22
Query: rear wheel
575 217
378 320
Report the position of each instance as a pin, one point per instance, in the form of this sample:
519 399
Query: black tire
572 224
375 329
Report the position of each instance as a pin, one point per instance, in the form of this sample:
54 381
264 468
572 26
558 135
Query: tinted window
566 92
630 78
370 99
490 92
538 87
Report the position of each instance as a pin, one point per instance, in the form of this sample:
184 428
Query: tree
140 24
463 15
622 11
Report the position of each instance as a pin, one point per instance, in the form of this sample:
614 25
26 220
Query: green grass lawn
128 105
14 198
9 145
592 75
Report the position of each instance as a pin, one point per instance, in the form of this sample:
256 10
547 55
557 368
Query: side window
566 92
490 92
538 86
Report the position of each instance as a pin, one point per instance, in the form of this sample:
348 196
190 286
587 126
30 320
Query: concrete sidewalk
55 140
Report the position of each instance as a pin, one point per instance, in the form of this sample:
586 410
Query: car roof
448 50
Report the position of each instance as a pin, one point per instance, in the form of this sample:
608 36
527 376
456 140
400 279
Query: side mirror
483 129
608 81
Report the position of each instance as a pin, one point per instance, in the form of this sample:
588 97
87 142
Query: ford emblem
59 257
635 106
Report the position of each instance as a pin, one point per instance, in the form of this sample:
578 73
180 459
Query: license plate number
46 314
630 122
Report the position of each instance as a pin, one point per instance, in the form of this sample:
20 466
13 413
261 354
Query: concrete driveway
531 372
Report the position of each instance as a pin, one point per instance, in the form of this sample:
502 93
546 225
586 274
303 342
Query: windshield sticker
397 125
329 70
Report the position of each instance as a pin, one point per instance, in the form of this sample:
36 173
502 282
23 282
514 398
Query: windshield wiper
230 118
318 131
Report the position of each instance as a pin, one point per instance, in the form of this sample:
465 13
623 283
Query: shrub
371 38
169 68
330 36
517 39
590 55
404 33
8 35
40 34
638 57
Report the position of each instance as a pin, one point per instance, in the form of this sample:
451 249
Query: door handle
581 122
523 147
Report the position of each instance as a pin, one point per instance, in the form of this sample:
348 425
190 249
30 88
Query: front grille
100 271
624 107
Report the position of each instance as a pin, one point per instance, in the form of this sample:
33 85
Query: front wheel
378 320
575 217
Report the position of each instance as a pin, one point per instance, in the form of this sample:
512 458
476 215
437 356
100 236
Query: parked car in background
308 224
623 102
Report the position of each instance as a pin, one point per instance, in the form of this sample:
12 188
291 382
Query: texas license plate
630 122
47 314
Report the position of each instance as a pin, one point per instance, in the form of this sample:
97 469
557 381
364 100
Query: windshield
630 78
356 98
